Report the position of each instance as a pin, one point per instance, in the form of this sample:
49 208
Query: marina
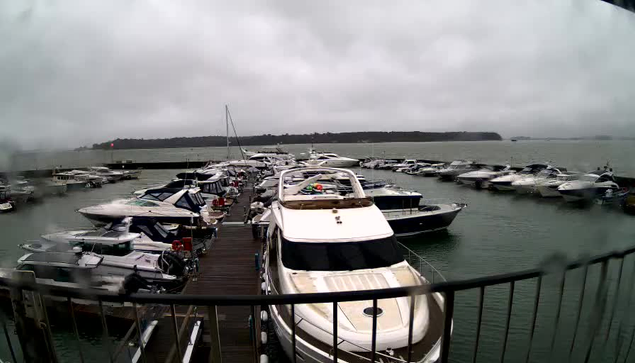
229 268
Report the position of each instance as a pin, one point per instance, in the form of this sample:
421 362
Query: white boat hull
548 192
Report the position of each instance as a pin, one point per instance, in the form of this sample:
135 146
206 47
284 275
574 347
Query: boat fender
263 286
263 337
264 316
264 358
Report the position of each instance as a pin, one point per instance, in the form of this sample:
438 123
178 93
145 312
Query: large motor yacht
591 185
504 183
324 240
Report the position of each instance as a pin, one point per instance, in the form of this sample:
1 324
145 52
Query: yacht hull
404 223
504 186
548 191
103 219
580 195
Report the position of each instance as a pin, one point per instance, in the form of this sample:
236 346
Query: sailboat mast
227 129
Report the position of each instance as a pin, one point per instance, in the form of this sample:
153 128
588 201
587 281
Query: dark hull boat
405 222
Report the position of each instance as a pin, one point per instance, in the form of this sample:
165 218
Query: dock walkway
229 268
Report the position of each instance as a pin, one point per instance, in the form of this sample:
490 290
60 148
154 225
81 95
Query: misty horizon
76 74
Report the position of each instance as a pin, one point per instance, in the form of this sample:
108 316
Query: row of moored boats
15 191
541 179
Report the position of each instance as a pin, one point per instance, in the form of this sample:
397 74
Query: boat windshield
340 256
589 177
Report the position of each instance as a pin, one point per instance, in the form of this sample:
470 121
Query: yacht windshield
340 256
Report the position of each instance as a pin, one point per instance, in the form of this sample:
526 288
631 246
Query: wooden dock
229 268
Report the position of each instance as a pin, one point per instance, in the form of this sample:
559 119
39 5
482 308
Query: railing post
598 310
448 311
335 331
478 322
175 327
215 353
33 333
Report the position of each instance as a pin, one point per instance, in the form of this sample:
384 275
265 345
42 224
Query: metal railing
603 312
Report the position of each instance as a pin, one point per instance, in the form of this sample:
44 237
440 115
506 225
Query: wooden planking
227 269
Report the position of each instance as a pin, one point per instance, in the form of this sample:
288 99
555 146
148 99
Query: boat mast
227 128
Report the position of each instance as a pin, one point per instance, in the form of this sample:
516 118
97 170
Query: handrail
225 300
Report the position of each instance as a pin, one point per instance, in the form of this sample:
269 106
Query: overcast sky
77 72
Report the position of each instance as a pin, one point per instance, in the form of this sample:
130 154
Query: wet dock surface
229 268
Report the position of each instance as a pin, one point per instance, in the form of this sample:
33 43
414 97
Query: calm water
577 155
496 233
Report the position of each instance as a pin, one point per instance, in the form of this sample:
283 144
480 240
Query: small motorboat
6 203
406 164
590 186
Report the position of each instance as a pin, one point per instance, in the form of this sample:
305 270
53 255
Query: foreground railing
596 319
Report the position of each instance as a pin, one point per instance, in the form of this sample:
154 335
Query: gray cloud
74 73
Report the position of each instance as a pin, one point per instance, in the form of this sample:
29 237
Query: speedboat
590 186
6 203
528 184
406 216
319 241
115 238
548 188
406 164
132 174
183 206
111 175
480 178
333 160
455 169
414 170
504 183
92 180
431 170
174 184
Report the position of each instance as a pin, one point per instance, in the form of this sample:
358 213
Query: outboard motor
134 282
172 264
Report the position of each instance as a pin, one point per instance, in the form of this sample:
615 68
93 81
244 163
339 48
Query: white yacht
431 170
69 179
147 266
589 186
480 178
407 163
504 183
324 240
528 184
332 160
185 206
92 180
455 169
405 213
111 175
548 188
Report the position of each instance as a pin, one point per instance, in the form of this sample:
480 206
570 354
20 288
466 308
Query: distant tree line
268 139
